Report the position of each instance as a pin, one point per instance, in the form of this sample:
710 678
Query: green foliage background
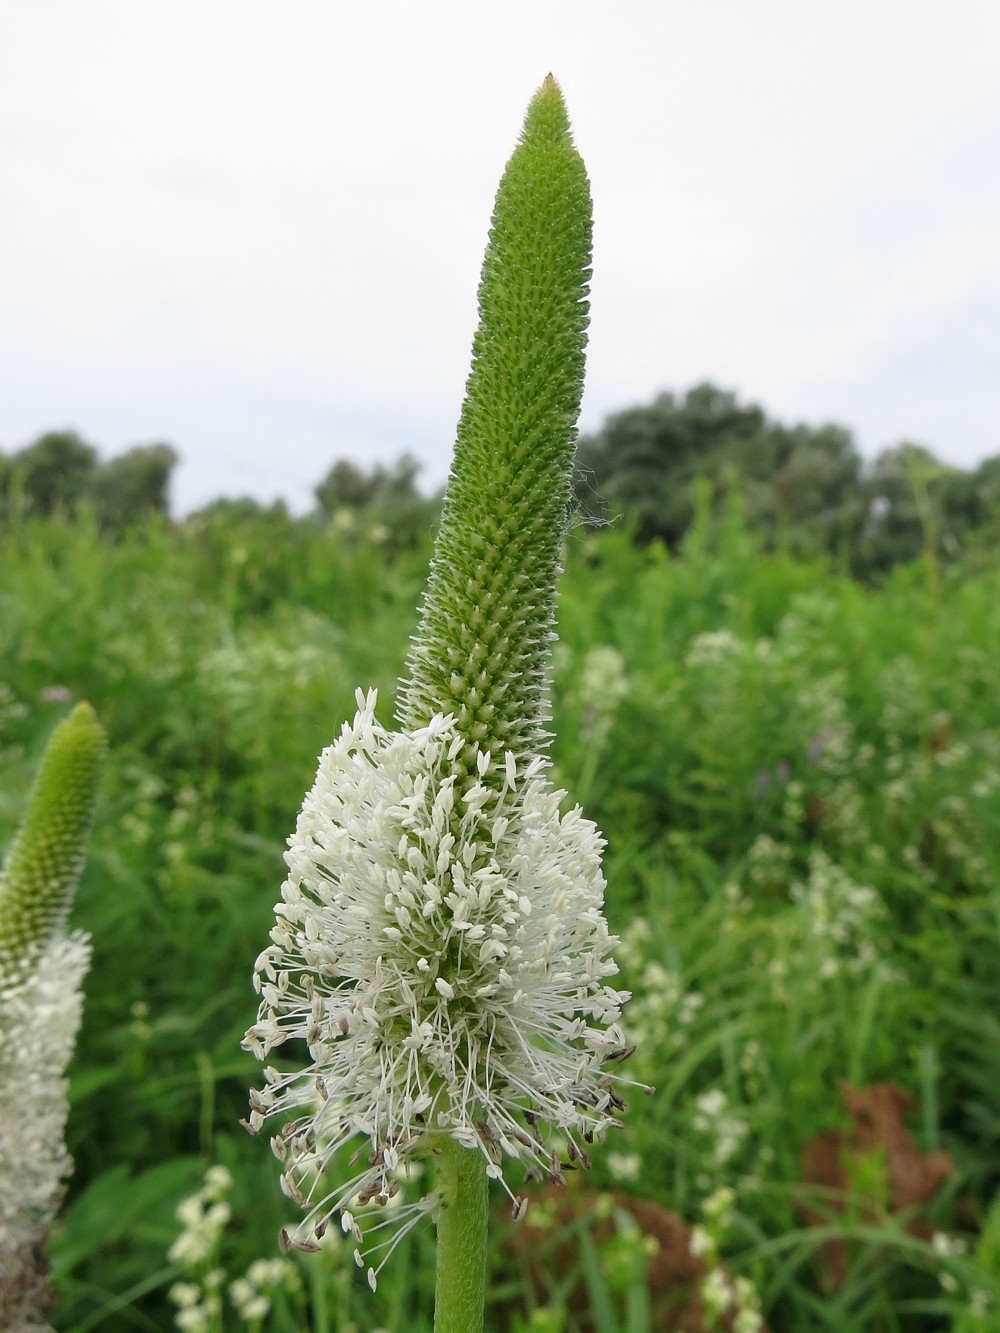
761 740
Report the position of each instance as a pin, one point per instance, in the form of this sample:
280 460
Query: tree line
804 489
59 472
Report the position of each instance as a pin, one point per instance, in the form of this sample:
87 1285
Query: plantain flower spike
41 970
440 947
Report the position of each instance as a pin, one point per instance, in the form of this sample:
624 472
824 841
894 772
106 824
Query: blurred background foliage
798 773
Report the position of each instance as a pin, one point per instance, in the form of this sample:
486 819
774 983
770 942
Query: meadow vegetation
799 780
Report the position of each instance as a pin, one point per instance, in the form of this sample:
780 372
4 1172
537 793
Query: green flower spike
440 947
41 969
481 651
43 867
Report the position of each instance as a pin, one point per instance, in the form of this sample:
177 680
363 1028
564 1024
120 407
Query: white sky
254 229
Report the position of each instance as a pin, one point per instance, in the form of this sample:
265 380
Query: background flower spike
43 866
41 970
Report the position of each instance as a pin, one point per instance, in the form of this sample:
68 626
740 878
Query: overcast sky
253 229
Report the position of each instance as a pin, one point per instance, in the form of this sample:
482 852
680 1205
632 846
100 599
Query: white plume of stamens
445 958
39 1017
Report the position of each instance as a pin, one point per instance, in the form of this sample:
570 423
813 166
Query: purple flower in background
54 694
816 747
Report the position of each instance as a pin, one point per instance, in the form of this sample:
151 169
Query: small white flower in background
445 959
748 1320
710 1106
713 647
720 1292
632 946
197 1319
839 918
218 1182
662 1012
251 1294
602 686
980 1302
625 1166
946 1245
204 1215
716 1292
724 1130
690 1004
718 1207
185 1294
701 1245
249 1302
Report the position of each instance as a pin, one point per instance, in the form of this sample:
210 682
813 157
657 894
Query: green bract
481 649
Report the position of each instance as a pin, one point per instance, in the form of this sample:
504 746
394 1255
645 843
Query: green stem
460 1291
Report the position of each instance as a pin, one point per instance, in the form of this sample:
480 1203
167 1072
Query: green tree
644 460
346 486
799 484
127 488
914 505
53 473
382 502
986 480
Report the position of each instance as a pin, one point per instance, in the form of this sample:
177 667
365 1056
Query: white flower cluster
444 956
725 1131
39 1018
251 1294
624 1166
713 647
839 918
721 1293
204 1215
662 1013
199 1305
602 686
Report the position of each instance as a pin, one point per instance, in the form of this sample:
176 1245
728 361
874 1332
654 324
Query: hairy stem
460 1289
